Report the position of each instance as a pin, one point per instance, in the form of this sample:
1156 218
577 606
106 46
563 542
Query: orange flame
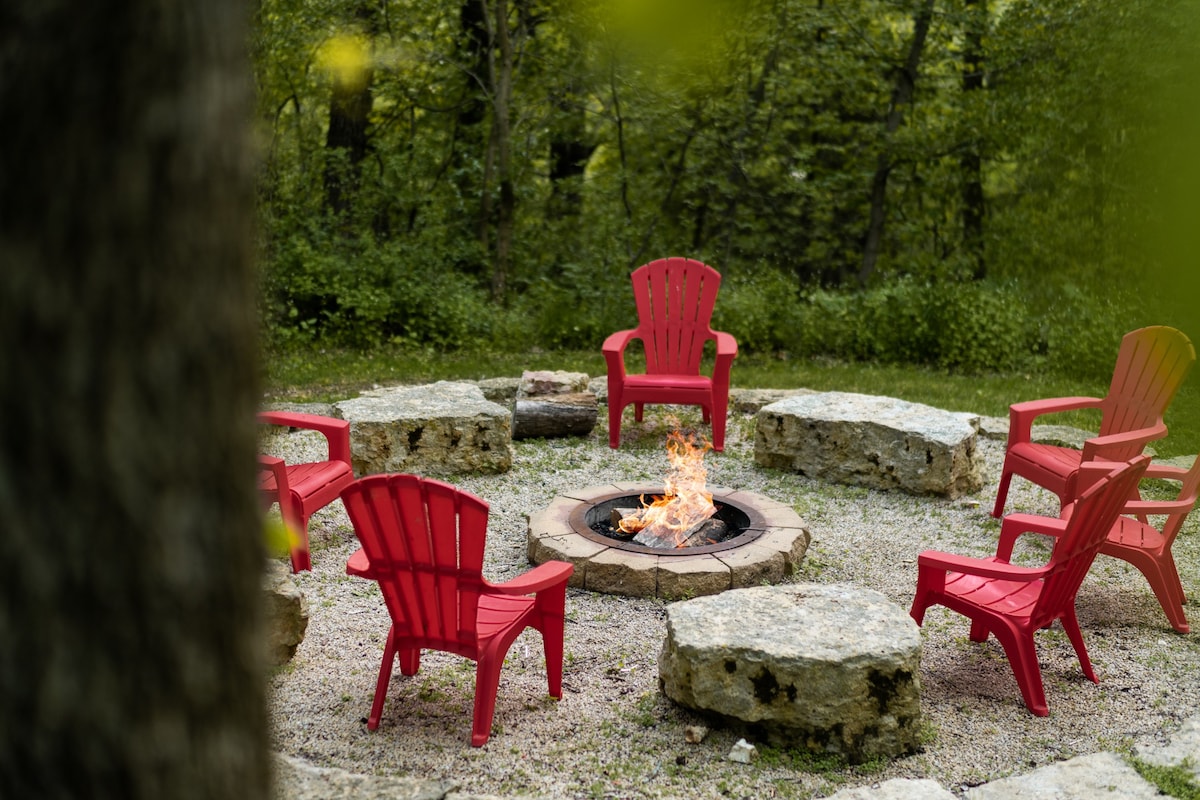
686 502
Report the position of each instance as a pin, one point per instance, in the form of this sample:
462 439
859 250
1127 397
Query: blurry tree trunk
905 82
130 665
347 140
973 200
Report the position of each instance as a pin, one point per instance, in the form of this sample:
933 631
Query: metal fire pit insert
770 546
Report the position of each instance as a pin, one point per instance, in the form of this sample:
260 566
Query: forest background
973 186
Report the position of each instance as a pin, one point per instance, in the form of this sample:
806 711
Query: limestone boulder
825 667
286 613
436 429
539 383
872 441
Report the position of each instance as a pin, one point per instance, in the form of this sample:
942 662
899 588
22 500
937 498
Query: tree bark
131 665
501 64
902 94
347 140
971 163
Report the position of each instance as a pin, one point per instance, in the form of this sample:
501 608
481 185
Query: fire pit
668 551
770 545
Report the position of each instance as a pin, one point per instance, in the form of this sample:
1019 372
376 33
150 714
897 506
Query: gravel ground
613 735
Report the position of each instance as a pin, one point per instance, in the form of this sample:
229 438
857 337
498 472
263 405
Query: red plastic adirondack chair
1134 539
1151 365
302 489
423 541
1013 602
675 299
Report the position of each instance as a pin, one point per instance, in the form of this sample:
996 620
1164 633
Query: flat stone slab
866 440
896 789
1089 777
830 668
437 429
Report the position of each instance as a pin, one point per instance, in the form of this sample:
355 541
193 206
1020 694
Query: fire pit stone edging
772 547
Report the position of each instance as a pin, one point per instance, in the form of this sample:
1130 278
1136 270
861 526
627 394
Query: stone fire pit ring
770 548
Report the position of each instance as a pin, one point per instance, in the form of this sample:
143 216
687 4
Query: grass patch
1174 781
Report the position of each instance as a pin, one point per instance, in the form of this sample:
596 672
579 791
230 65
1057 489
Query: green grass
324 374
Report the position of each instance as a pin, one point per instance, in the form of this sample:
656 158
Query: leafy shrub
760 310
361 294
964 327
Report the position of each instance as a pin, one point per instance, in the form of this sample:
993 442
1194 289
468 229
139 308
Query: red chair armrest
1096 447
1165 472
335 431
277 468
726 344
359 566
614 352
1143 508
616 343
1022 415
1015 525
543 576
982 567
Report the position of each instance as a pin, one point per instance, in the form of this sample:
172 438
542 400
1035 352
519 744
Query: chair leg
297 526
487 683
1022 658
638 408
718 428
410 660
1071 625
385 676
1002 494
614 423
551 603
1163 577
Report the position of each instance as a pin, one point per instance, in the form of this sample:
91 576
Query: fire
685 503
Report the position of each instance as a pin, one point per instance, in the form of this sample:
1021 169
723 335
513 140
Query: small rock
743 752
694 734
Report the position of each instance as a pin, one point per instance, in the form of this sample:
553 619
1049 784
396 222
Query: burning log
709 531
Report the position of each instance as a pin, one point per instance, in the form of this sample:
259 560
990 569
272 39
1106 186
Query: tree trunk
501 67
971 163
131 665
902 94
347 140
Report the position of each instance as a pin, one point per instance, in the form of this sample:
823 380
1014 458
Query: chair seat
1052 464
1011 598
1129 532
310 479
699 383
499 613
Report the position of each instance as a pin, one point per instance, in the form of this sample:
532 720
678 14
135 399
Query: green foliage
762 308
752 146
962 327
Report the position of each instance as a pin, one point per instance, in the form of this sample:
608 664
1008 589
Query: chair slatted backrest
675 300
1092 515
1151 365
424 540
